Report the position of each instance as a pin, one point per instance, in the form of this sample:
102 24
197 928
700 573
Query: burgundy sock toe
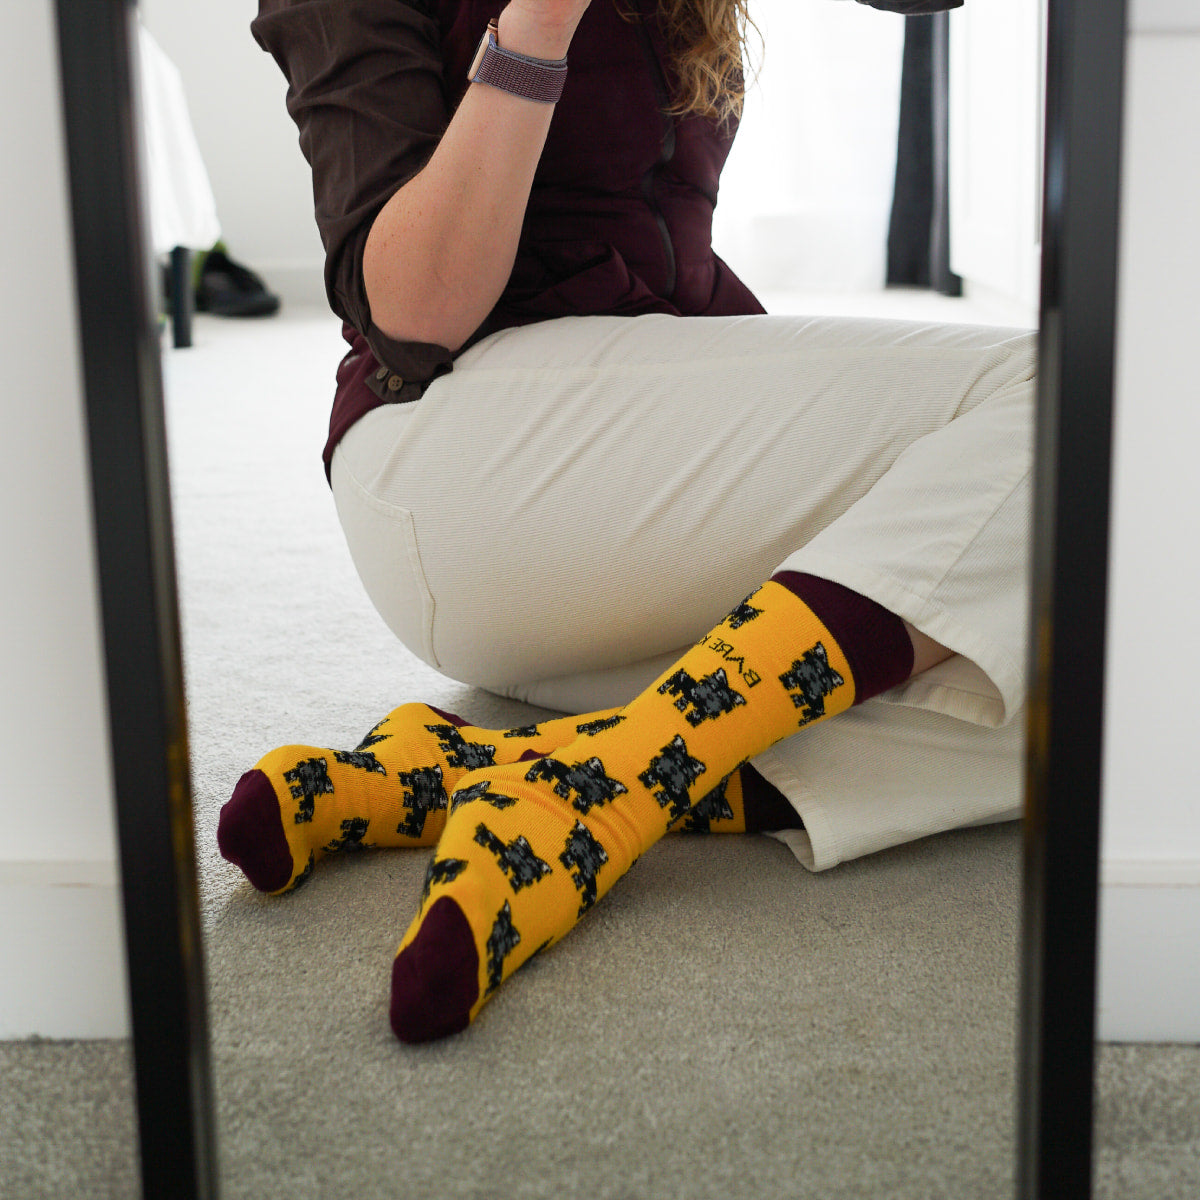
435 978
250 833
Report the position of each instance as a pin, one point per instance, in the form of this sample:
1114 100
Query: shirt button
395 383
382 373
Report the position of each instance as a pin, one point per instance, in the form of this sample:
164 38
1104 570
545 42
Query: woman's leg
528 849
591 493
300 803
893 457
615 480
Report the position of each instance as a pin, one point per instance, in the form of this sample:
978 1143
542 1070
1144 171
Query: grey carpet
723 1025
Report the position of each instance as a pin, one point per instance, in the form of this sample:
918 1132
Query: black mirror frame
135 559
135 555
1085 55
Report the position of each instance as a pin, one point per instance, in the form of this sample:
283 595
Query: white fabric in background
183 211
806 194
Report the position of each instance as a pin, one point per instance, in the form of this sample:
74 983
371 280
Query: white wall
806 194
60 936
236 97
1150 903
997 72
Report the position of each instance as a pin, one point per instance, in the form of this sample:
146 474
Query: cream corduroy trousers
580 500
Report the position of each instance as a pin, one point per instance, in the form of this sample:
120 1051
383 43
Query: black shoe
227 289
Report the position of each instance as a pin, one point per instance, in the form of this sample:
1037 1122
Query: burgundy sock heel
435 978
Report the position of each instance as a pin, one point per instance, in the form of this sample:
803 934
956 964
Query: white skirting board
63 959
62 951
1149 962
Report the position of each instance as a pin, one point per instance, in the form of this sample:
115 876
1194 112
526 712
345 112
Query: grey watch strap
538 79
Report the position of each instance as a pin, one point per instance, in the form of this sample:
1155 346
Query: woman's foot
529 848
300 803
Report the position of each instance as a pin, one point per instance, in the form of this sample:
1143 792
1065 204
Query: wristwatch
539 79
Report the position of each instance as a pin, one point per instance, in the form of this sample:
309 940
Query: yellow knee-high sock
300 803
529 848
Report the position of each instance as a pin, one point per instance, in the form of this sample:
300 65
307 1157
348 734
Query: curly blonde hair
709 40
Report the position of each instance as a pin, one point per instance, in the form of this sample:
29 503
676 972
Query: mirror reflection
645 569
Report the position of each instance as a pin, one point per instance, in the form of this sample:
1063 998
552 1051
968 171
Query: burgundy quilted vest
620 216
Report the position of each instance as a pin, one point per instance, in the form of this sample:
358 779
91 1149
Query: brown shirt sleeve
365 90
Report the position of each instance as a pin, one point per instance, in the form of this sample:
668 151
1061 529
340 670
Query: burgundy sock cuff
764 806
874 641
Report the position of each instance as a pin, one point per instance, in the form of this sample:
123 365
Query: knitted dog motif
673 770
308 779
480 791
810 679
424 793
501 942
441 870
591 728
363 760
461 753
742 614
586 779
353 832
374 737
517 860
522 731
707 697
713 807
583 857
304 875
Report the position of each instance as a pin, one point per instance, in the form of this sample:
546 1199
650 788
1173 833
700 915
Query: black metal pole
136 569
1085 75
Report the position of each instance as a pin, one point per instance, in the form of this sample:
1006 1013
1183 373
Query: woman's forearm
441 250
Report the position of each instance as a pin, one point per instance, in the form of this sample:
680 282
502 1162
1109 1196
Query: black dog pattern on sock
304 875
522 731
809 680
364 760
517 860
708 697
480 791
461 753
422 795
502 941
743 613
308 779
586 779
713 807
374 737
441 870
353 832
583 857
591 728
673 770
